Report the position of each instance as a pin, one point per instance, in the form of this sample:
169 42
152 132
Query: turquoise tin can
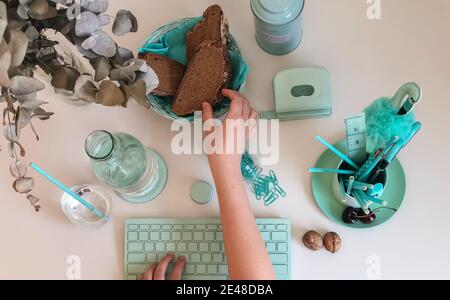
278 24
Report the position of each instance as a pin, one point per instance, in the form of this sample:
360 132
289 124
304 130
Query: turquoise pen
336 171
337 152
70 192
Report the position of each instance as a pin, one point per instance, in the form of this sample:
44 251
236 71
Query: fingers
149 273
160 271
254 115
240 108
207 111
178 269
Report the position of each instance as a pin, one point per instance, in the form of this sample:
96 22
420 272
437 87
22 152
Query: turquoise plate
333 208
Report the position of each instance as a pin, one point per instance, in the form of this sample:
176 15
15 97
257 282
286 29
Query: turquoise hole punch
264 187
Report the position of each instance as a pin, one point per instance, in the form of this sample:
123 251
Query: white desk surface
367 60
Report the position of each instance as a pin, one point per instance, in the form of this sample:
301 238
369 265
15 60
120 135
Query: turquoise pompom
383 123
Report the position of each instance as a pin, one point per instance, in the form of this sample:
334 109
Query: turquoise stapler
301 93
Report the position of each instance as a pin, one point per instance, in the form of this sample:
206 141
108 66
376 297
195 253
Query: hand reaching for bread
240 119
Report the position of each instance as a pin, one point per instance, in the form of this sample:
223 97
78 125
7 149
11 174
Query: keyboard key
187 236
271 247
192 247
166 227
209 236
282 227
137 269
260 227
270 227
265 235
206 257
154 236
182 247
279 236
132 236
135 247
204 247
143 236
155 227
132 227
200 227
160 256
215 247
177 227
151 258
170 247
188 257
279 258
149 247
219 236
190 269
144 227
195 258
160 247
212 269
217 258
282 247
212 227
198 236
165 236
201 269
136 258
280 269
176 236
188 227
223 269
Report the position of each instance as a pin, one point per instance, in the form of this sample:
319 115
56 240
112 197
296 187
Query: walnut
332 242
313 240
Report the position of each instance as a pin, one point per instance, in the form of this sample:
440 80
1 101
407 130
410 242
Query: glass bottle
137 174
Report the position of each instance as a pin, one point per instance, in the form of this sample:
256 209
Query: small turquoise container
278 24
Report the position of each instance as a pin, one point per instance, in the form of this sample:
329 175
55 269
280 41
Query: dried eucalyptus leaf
11 150
22 149
40 10
31 105
105 45
102 68
85 89
95 6
24 118
137 64
87 23
22 11
109 94
3 18
18 169
86 53
32 33
5 62
24 185
125 74
9 131
23 85
124 23
41 114
104 19
18 45
89 43
139 94
64 78
73 11
123 55
34 201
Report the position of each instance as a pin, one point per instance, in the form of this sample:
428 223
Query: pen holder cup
347 199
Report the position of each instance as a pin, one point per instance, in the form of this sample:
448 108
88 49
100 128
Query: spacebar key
213 277
137 269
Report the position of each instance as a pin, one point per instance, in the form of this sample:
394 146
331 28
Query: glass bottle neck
101 145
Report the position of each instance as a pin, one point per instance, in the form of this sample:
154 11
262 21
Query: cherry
350 215
366 218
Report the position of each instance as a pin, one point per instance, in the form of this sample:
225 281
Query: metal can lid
277 12
201 192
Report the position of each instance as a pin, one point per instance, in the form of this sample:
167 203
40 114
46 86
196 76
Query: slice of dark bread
170 73
214 27
207 74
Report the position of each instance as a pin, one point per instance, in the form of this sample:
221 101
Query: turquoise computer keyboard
148 240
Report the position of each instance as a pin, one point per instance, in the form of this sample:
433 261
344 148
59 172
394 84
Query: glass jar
137 174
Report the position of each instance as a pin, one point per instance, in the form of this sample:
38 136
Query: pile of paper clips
264 187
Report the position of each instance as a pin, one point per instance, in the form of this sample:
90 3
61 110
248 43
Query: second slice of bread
207 74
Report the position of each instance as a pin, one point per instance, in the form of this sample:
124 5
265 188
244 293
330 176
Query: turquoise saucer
333 208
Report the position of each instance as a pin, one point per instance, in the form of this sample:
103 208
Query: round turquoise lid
201 192
277 12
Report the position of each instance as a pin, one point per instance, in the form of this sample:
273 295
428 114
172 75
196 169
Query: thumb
207 111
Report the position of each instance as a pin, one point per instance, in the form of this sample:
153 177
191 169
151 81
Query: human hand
158 271
234 132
